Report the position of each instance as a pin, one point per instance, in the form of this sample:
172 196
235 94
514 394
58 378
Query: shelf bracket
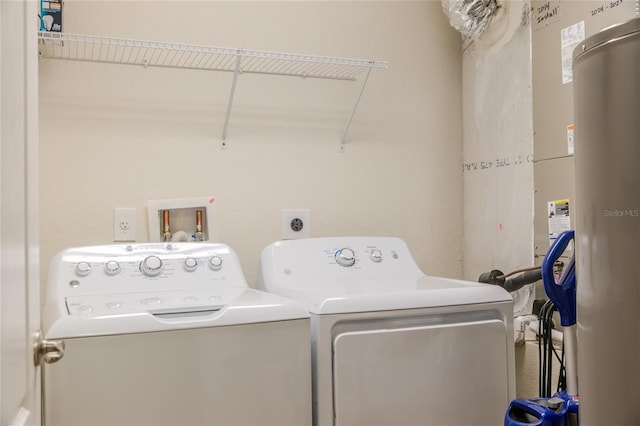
236 71
353 112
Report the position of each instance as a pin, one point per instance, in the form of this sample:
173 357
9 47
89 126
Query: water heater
606 74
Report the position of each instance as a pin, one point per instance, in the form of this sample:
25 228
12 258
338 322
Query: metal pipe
199 233
166 229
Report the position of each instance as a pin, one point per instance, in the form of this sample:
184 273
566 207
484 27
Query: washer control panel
151 265
143 277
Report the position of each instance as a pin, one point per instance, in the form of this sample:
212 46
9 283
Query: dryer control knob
112 267
345 257
151 266
215 263
83 269
190 264
375 255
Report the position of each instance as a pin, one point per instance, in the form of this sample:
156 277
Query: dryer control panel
322 262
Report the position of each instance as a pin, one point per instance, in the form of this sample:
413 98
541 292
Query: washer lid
99 315
425 292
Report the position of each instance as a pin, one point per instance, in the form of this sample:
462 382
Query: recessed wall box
183 219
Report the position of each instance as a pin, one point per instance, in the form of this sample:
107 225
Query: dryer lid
426 292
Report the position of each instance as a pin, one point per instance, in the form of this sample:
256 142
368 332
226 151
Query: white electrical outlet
296 223
124 224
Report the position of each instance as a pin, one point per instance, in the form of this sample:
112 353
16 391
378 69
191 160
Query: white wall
117 136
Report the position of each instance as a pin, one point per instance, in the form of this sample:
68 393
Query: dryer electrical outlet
296 223
124 224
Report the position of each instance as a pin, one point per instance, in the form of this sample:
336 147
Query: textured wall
497 152
118 136
498 163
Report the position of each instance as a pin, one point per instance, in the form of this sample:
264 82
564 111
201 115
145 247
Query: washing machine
171 334
391 345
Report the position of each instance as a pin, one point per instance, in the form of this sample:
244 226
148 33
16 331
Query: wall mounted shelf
77 47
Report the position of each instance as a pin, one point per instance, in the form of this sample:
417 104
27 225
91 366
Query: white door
19 277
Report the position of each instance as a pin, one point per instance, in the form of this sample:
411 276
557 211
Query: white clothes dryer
390 345
170 334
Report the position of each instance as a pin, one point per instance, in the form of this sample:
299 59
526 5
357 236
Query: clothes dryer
391 345
170 334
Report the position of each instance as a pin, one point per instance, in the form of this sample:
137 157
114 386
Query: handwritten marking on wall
545 14
477 166
606 7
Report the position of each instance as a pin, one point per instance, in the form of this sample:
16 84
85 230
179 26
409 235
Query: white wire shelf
78 47
190 56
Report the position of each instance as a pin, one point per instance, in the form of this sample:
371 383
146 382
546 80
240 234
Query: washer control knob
190 264
83 269
112 267
215 263
375 255
151 266
345 257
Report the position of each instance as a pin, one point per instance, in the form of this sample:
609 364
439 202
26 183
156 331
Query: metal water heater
606 73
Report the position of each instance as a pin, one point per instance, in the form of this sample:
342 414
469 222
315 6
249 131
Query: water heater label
570 139
569 38
559 219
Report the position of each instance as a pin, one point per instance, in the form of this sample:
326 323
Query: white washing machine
390 345
170 334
